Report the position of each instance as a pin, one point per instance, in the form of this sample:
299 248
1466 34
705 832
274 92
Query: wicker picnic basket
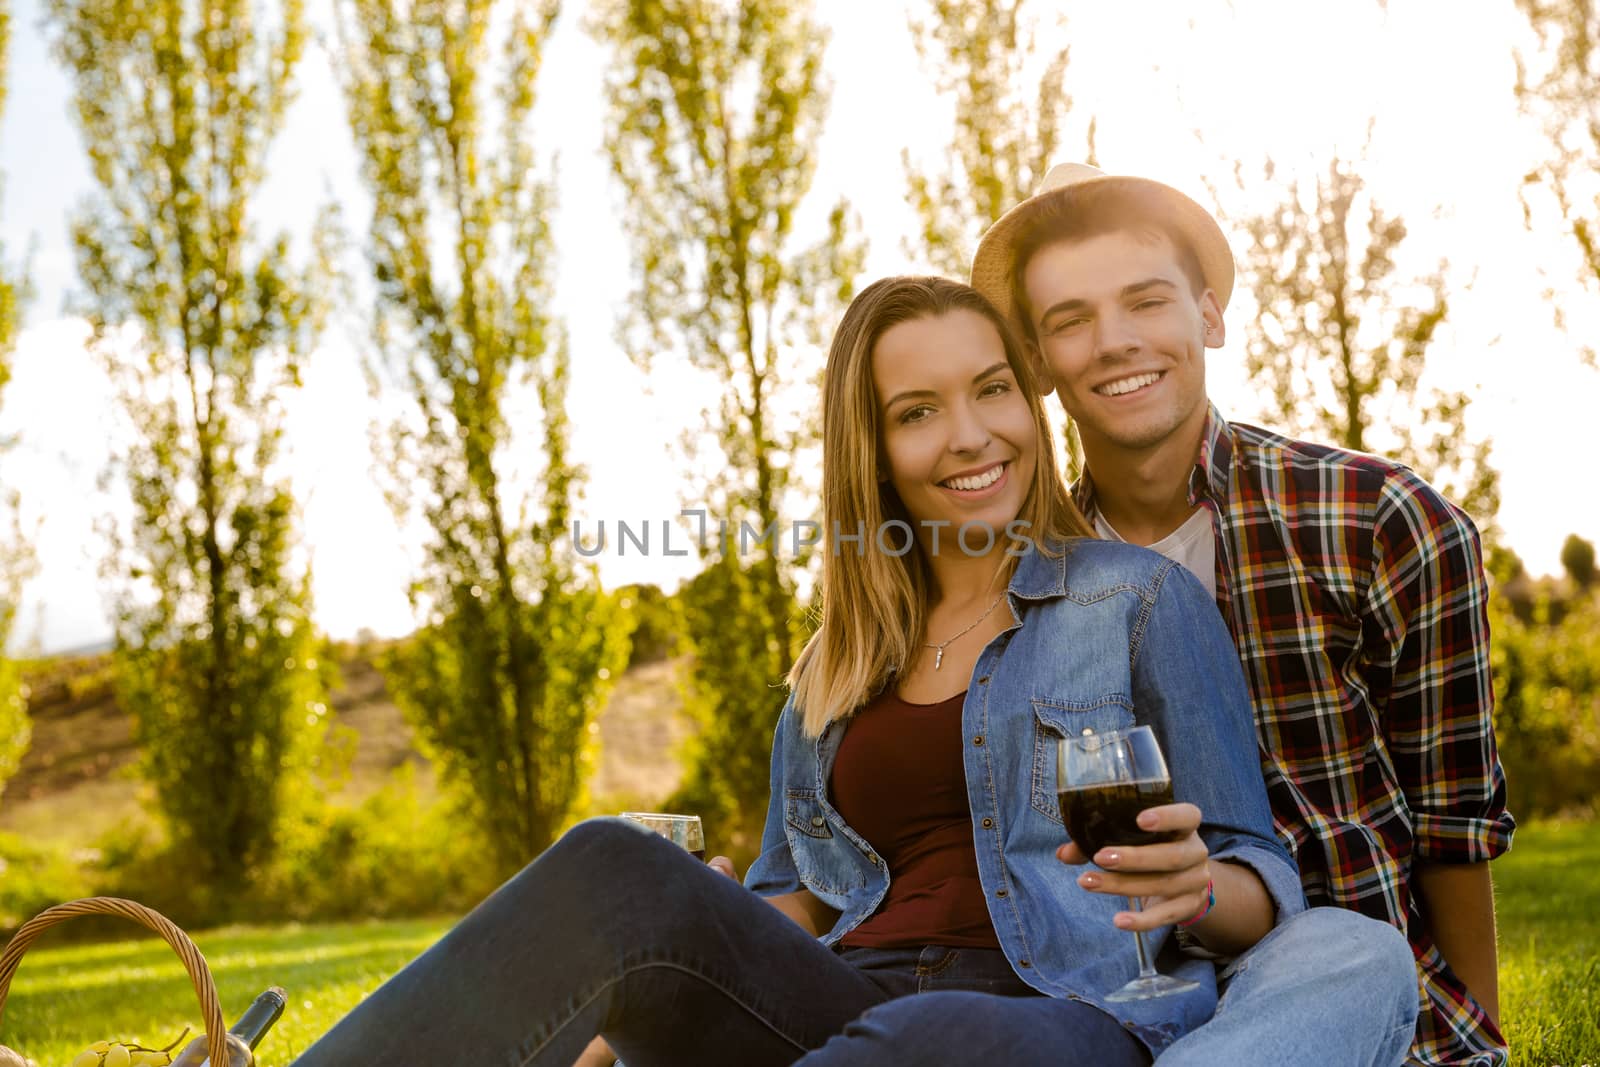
193 962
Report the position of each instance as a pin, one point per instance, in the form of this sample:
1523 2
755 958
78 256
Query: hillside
78 778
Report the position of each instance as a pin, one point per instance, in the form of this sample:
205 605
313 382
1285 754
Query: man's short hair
1094 211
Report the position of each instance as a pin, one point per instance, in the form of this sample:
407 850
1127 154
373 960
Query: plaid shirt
1356 596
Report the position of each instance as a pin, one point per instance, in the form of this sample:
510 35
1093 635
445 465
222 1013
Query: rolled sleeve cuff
1462 838
773 873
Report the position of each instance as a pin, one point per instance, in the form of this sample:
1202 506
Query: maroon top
899 782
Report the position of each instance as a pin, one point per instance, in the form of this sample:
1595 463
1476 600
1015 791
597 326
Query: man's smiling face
1123 336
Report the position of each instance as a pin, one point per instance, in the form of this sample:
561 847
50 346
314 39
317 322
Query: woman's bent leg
612 930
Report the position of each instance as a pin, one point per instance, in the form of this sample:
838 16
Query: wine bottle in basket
243 1036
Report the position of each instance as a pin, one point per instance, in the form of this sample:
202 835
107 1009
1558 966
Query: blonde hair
874 605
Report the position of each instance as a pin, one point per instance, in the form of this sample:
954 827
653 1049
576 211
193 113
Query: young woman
915 900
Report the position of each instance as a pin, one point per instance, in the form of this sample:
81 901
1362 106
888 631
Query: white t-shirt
1192 545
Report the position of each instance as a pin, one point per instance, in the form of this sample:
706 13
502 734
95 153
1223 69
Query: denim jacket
1105 636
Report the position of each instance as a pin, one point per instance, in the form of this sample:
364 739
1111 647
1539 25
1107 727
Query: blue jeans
1328 986
615 931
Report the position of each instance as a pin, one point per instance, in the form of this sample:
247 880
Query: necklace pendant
938 658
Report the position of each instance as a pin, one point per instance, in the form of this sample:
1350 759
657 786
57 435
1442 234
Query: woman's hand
1171 876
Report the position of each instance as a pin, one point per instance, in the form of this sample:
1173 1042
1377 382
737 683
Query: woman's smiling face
958 439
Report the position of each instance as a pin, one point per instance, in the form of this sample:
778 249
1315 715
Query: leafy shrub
34 877
1547 707
15 730
392 855
658 624
502 694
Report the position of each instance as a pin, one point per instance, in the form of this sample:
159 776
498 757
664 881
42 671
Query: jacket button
817 820
978 740
1087 732
987 823
984 680
1024 963
1000 893
873 857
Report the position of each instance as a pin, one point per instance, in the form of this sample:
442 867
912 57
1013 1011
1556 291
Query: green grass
67 996
1548 891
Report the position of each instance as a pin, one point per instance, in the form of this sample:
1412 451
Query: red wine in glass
1103 815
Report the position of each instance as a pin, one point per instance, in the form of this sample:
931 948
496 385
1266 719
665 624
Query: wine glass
684 831
1103 782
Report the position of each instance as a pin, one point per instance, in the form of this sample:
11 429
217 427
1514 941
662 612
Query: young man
1354 592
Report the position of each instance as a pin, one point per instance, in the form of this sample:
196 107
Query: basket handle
193 961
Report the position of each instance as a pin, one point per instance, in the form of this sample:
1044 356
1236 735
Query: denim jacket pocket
803 813
1056 719
822 861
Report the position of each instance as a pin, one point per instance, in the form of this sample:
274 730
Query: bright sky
1251 77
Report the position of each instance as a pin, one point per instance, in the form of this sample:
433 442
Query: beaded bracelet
1211 902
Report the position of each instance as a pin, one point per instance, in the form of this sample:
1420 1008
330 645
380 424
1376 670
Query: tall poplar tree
1560 89
15 557
201 326
1577 559
1007 133
517 647
1342 336
716 114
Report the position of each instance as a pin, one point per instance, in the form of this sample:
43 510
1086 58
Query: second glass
684 831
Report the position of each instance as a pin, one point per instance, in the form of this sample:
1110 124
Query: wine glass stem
1146 968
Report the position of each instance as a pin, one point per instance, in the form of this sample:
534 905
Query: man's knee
1342 954
1327 978
1354 943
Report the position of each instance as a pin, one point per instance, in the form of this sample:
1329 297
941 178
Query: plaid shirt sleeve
1428 599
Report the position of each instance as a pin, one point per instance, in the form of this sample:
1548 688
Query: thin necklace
938 649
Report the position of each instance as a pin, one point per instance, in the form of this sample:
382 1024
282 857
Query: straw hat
991 267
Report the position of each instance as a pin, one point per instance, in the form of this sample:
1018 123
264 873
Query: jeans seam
934 970
718 986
